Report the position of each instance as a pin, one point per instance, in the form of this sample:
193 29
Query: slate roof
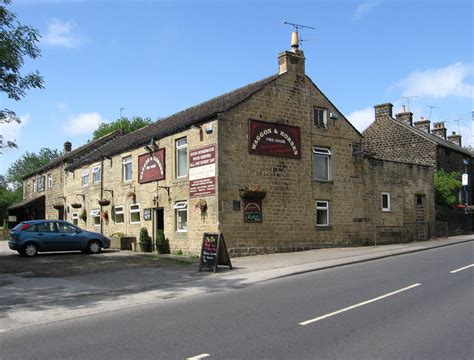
78 153
176 122
436 139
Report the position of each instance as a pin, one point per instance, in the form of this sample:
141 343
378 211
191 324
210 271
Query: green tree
123 123
7 198
17 41
447 186
28 163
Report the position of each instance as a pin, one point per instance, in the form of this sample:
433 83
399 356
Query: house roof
435 139
78 153
176 122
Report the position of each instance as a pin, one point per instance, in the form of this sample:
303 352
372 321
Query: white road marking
461 269
359 304
200 356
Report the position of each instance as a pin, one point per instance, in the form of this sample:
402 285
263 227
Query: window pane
182 219
321 217
119 218
135 217
127 171
384 201
182 162
320 167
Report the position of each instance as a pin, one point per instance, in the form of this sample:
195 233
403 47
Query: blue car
31 237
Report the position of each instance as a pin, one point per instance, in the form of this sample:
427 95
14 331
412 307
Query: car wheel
21 252
94 247
30 249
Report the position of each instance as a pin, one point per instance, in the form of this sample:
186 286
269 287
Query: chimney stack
423 124
383 110
405 116
439 130
67 146
292 61
455 138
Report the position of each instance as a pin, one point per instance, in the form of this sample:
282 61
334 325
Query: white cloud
12 131
83 123
438 83
362 118
60 33
364 8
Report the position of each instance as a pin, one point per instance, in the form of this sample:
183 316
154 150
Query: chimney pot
67 146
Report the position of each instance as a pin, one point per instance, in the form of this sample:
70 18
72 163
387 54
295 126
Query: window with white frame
85 177
95 214
127 168
34 185
119 214
321 163
322 213
385 201
181 211
50 180
96 174
134 213
321 118
75 218
181 157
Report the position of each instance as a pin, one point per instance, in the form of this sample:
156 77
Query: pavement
61 286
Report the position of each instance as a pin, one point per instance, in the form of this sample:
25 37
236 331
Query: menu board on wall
272 139
151 166
202 171
252 211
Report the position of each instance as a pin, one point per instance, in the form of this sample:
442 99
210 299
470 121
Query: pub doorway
159 217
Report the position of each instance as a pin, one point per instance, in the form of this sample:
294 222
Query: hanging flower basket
131 195
104 202
58 206
250 194
104 215
76 205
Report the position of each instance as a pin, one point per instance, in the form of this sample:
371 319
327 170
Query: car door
45 237
69 236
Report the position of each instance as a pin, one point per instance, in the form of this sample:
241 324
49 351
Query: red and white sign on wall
273 139
151 167
202 171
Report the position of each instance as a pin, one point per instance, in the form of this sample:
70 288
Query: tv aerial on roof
297 27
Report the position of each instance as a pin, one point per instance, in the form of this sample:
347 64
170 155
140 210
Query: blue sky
154 58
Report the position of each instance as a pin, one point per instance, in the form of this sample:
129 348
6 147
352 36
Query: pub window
419 199
127 168
85 177
50 180
40 183
322 213
75 218
181 211
181 157
96 174
119 214
134 213
320 118
34 185
95 217
385 201
321 163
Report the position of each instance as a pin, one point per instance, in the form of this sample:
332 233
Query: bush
144 240
447 186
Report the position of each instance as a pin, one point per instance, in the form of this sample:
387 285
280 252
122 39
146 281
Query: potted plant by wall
144 240
161 243
252 194
76 205
83 215
104 202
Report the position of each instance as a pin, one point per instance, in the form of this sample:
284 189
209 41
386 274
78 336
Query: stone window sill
324 228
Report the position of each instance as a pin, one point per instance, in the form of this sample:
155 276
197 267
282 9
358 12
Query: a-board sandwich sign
213 252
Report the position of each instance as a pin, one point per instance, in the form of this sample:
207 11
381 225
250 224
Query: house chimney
383 110
439 130
455 138
292 61
405 116
423 124
67 146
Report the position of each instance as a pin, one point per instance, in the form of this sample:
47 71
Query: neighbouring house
399 138
273 165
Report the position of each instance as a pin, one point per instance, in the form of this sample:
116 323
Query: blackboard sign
213 252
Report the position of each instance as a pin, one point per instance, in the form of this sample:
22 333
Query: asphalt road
406 307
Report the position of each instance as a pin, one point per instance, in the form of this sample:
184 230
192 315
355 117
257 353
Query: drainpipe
101 192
